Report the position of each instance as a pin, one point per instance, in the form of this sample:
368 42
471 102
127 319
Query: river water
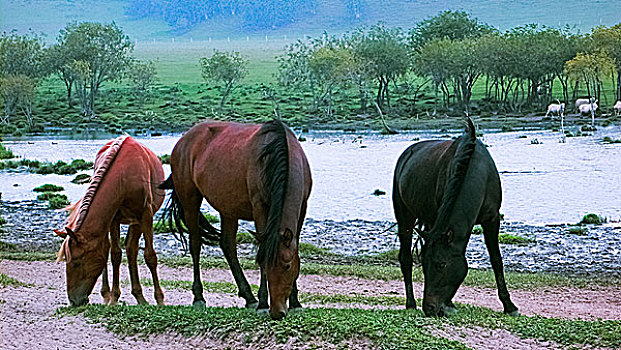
543 183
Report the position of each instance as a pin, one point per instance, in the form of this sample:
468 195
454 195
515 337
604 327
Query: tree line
436 66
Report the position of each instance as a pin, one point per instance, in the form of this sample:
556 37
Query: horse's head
444 268
85 261
281 272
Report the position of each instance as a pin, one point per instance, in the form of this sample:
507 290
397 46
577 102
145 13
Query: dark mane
274 157
458 169
102 164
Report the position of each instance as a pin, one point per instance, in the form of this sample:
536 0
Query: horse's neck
99 217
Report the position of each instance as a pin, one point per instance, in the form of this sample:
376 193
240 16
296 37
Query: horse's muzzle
81 301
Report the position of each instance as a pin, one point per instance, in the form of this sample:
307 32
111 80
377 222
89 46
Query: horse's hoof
199 305
514 313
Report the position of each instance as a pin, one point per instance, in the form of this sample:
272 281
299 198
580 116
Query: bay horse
123 190
445 188
254 172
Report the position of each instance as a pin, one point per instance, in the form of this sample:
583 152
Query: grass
81 179
592 219
6 281
48 188
44 168
307 249
55 200
388 329
576 230
505 238
6 153
609 140
477 230
245 237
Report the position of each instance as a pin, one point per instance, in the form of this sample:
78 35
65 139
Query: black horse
446 187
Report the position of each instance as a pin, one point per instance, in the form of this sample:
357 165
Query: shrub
6 153
58 202
580 231
592 219
81 179
48 188
505 238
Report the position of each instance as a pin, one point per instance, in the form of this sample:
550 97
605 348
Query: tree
22 55
609 40
330 66
142 76
383 52
225 69
17 91
103 53
591 69
455 25
294 69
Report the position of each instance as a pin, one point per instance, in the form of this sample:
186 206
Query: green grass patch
391 255
577 230
48 188
165 158
475 278
568 332
505 238
608 139
245 237
37 167
2 221
310 249
10 281
6 153
592 219
388 329
477 230
81 179
55 200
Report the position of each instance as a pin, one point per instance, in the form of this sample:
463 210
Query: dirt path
28 319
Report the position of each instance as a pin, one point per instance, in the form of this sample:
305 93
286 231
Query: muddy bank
30 225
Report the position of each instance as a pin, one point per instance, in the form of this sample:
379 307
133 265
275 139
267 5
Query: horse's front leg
228 244
150 257
105 286
490 232
115 256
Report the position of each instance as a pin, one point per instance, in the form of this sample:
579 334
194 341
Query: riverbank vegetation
447 65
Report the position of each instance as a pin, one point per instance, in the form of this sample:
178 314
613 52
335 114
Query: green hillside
48 16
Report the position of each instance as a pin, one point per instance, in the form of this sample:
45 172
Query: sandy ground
28 319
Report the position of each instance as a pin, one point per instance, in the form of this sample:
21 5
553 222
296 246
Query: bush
516 240
81 179
580 231
58 202
477 230
48 188
592 219
6 153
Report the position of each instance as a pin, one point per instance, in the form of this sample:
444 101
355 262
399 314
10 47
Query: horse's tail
173 218
457 172
274 158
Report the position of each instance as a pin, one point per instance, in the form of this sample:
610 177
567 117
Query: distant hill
333 16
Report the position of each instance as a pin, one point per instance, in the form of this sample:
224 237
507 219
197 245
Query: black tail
457 172
174 219
275 175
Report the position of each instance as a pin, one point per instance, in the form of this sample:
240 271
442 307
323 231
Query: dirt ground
28 320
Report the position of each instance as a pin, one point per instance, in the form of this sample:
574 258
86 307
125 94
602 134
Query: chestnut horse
248 172
122 190
447 187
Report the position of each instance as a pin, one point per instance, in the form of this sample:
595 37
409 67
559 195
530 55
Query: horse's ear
73 235
287 237
449 236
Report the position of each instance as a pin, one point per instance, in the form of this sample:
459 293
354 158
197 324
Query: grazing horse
248 172
447 187
122 190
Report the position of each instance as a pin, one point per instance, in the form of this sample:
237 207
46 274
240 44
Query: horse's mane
457 172
275 175
102 164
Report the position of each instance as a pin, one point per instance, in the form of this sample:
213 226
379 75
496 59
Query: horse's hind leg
228 244
116 255
490 232
191 202
133 236
151 258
